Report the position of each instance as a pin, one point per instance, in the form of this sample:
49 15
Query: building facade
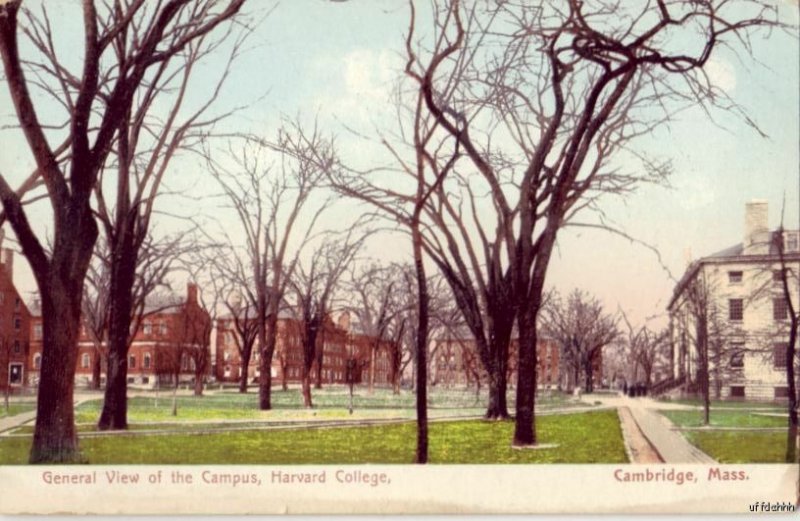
338 341
171 342
456 362
15 329
733 303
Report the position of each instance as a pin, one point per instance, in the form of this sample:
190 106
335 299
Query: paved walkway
12 422
667 441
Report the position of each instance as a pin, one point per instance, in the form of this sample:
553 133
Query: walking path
662 436
12 422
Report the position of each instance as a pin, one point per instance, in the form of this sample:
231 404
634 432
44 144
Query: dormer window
735 277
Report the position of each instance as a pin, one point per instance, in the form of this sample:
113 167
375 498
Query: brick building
339 343
456 362
739 290
171 340
15 329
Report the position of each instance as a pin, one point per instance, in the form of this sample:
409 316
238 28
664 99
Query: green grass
724 418
593 437
732 404
16 408
740 446
328 403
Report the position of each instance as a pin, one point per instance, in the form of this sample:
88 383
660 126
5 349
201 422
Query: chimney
191 293
756 228
344 321
8 262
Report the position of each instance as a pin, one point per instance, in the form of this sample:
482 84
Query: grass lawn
732 404
329 403
740 446
724 418
16 408
593 437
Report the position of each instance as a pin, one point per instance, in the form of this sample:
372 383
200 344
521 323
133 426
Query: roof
733 253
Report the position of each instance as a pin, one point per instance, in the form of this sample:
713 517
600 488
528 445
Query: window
777 277
2 297
16 304
779 355
148 328
17 347
736 309
145 380
37 332
792 242
737 391
164 329
132 362
131 380
735 277
17 323
781 392
780 309
15 374
37 361
737 354
86 361
147 360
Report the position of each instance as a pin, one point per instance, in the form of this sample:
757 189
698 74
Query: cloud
721 74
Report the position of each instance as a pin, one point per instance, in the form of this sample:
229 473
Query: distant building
340 341
14 329
166 343
456 362
746 313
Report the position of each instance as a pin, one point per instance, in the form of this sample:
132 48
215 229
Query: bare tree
375 289
543 98
270 187
788 278
582 329
147 141
96 101
314 287
645 349
699 295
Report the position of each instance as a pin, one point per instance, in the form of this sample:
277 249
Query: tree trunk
525 421
371 386
284 377
243 379
422 345
589 387
198 384
319 354
175 395
306 382
55 439
97 369
267 338
497 408
123 271
792 431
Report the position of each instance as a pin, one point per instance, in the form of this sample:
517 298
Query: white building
739 293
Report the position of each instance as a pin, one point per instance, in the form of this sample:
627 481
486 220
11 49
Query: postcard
397 257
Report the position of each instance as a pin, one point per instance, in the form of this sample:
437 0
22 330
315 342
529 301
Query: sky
337 62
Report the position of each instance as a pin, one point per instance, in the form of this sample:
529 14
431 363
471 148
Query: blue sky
337 61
